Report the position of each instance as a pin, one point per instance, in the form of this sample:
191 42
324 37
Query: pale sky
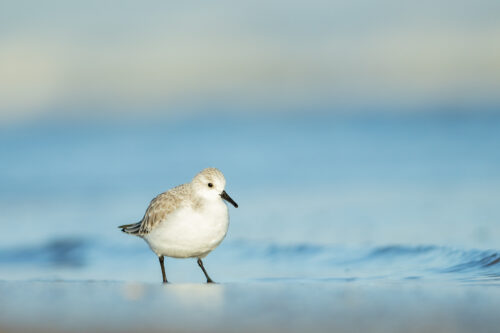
130 57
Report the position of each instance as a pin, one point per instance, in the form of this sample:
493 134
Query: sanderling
188 221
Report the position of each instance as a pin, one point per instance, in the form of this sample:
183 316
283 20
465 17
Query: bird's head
210 183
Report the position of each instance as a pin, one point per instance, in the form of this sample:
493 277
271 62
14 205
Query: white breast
190 232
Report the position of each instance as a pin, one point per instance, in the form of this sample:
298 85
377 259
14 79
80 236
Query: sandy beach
264 306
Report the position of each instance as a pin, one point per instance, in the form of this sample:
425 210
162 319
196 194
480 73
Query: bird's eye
210 185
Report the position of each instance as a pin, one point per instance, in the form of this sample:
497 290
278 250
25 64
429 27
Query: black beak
226 197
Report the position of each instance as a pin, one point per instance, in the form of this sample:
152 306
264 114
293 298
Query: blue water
354 197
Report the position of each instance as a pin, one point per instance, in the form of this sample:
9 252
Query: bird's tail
132 229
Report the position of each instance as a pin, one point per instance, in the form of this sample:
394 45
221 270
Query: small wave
476 260
416 261
68 252
440 259
297 249
275 250
401 250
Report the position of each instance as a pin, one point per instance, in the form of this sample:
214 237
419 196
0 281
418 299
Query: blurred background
360 138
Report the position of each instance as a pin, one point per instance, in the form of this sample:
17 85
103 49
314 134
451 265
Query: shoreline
274 306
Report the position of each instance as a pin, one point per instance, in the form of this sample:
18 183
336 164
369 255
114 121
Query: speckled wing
159 209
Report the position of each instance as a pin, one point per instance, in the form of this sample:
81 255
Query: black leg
200 263
163 269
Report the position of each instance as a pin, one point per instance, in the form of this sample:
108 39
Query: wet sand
259 306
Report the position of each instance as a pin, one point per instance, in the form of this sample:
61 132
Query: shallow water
349 197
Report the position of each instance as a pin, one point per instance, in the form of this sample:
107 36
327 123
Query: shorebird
187 221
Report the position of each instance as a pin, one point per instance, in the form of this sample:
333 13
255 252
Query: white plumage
190 232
